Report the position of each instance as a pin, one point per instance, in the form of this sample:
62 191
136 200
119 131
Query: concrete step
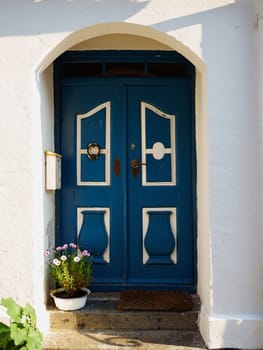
100 326
101 313
117 340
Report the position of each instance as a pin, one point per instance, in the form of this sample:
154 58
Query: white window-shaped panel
158 147
94 126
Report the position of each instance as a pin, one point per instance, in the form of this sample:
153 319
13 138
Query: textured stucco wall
221 38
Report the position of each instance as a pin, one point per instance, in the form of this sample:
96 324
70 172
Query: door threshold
108 301
104 296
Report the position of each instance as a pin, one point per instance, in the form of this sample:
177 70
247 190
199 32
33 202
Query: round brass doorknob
135 163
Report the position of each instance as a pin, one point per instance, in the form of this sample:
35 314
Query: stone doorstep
101 313
100 326
116 340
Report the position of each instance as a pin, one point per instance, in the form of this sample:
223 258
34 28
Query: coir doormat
151 300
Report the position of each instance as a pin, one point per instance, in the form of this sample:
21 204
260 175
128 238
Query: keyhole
132 147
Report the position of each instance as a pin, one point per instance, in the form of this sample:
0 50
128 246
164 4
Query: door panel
133 205
158 146
94 123
161 195
88 186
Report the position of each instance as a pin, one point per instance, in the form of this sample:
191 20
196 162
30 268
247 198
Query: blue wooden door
133 204
160 198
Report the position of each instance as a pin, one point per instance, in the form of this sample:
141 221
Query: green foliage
22 333
71 268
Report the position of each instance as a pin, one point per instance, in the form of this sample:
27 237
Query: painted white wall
220 37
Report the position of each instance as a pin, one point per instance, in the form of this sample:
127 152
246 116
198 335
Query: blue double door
128 181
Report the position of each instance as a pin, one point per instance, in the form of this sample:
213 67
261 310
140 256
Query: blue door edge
102 287
124 56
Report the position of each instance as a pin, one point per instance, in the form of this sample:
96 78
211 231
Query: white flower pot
69 304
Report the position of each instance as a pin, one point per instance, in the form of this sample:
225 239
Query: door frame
126 56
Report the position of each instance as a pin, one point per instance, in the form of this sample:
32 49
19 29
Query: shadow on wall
48 16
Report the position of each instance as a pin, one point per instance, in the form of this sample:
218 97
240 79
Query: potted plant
71 268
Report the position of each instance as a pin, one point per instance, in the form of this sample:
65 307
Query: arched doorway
106 36
125 128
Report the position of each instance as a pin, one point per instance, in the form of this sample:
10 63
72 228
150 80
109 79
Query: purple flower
58 249
47 252
65 246
72 245
85 253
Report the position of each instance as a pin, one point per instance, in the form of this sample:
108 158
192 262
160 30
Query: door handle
135 167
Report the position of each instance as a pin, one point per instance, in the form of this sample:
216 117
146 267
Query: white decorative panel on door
96 121
158 147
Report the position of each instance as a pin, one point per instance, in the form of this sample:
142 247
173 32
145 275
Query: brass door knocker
93 151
